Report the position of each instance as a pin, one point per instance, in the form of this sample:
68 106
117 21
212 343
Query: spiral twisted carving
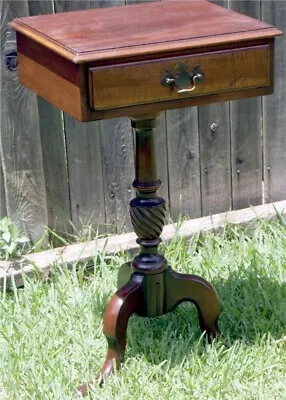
148 217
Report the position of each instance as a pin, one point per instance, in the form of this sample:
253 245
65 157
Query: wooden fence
211 159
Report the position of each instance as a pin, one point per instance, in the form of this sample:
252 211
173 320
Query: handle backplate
182 81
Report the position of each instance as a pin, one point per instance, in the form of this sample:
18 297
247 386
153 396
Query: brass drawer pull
183 81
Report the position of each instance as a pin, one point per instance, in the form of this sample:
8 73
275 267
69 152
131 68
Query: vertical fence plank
3 209
183 162
162 158
85 173
246 136
20 136
55 167
214 131
83 158
215 158
117 152
118 172
274 12
54 151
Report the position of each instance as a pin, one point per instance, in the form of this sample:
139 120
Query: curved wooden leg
184 287
123 303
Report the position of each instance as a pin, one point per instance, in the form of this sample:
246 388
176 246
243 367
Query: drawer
224 71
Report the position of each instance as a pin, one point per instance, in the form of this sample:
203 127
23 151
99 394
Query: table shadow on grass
252 307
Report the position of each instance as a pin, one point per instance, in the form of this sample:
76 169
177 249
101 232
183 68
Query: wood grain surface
274 111
215 158
140 83
88 35
52 87
246 137
184 163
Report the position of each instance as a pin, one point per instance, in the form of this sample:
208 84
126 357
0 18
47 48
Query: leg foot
183 287
123 303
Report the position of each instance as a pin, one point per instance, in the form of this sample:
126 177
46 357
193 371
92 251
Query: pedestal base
150 295
147 286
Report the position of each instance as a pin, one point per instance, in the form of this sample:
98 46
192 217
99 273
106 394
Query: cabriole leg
184 287
122 305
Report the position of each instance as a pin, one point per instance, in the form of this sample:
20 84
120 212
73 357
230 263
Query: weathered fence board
215 158
117 145
83 157
3 209
210 158
85 173
214 133
162 164
53 150
246 136
40 265
184 162
274 108
20 136
55 166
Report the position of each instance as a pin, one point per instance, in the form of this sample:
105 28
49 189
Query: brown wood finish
52 87
73 99
113 86
52 61
232 50
178 103
88 35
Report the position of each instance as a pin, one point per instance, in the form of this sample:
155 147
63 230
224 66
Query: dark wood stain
48 58
85 34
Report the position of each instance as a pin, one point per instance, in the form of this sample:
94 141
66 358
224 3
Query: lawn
51 333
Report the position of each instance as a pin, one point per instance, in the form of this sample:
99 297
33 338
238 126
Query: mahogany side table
137 61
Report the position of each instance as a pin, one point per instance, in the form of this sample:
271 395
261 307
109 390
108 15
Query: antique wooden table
137 61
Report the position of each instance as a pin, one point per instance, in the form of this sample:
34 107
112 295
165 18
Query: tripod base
151 295
147 286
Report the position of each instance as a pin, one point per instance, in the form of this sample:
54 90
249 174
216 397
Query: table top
141 29
142 58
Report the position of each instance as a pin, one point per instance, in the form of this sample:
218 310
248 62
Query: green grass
51 333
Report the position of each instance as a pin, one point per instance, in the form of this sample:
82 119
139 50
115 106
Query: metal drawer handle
183 79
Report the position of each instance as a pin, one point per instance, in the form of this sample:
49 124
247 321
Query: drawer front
225 71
